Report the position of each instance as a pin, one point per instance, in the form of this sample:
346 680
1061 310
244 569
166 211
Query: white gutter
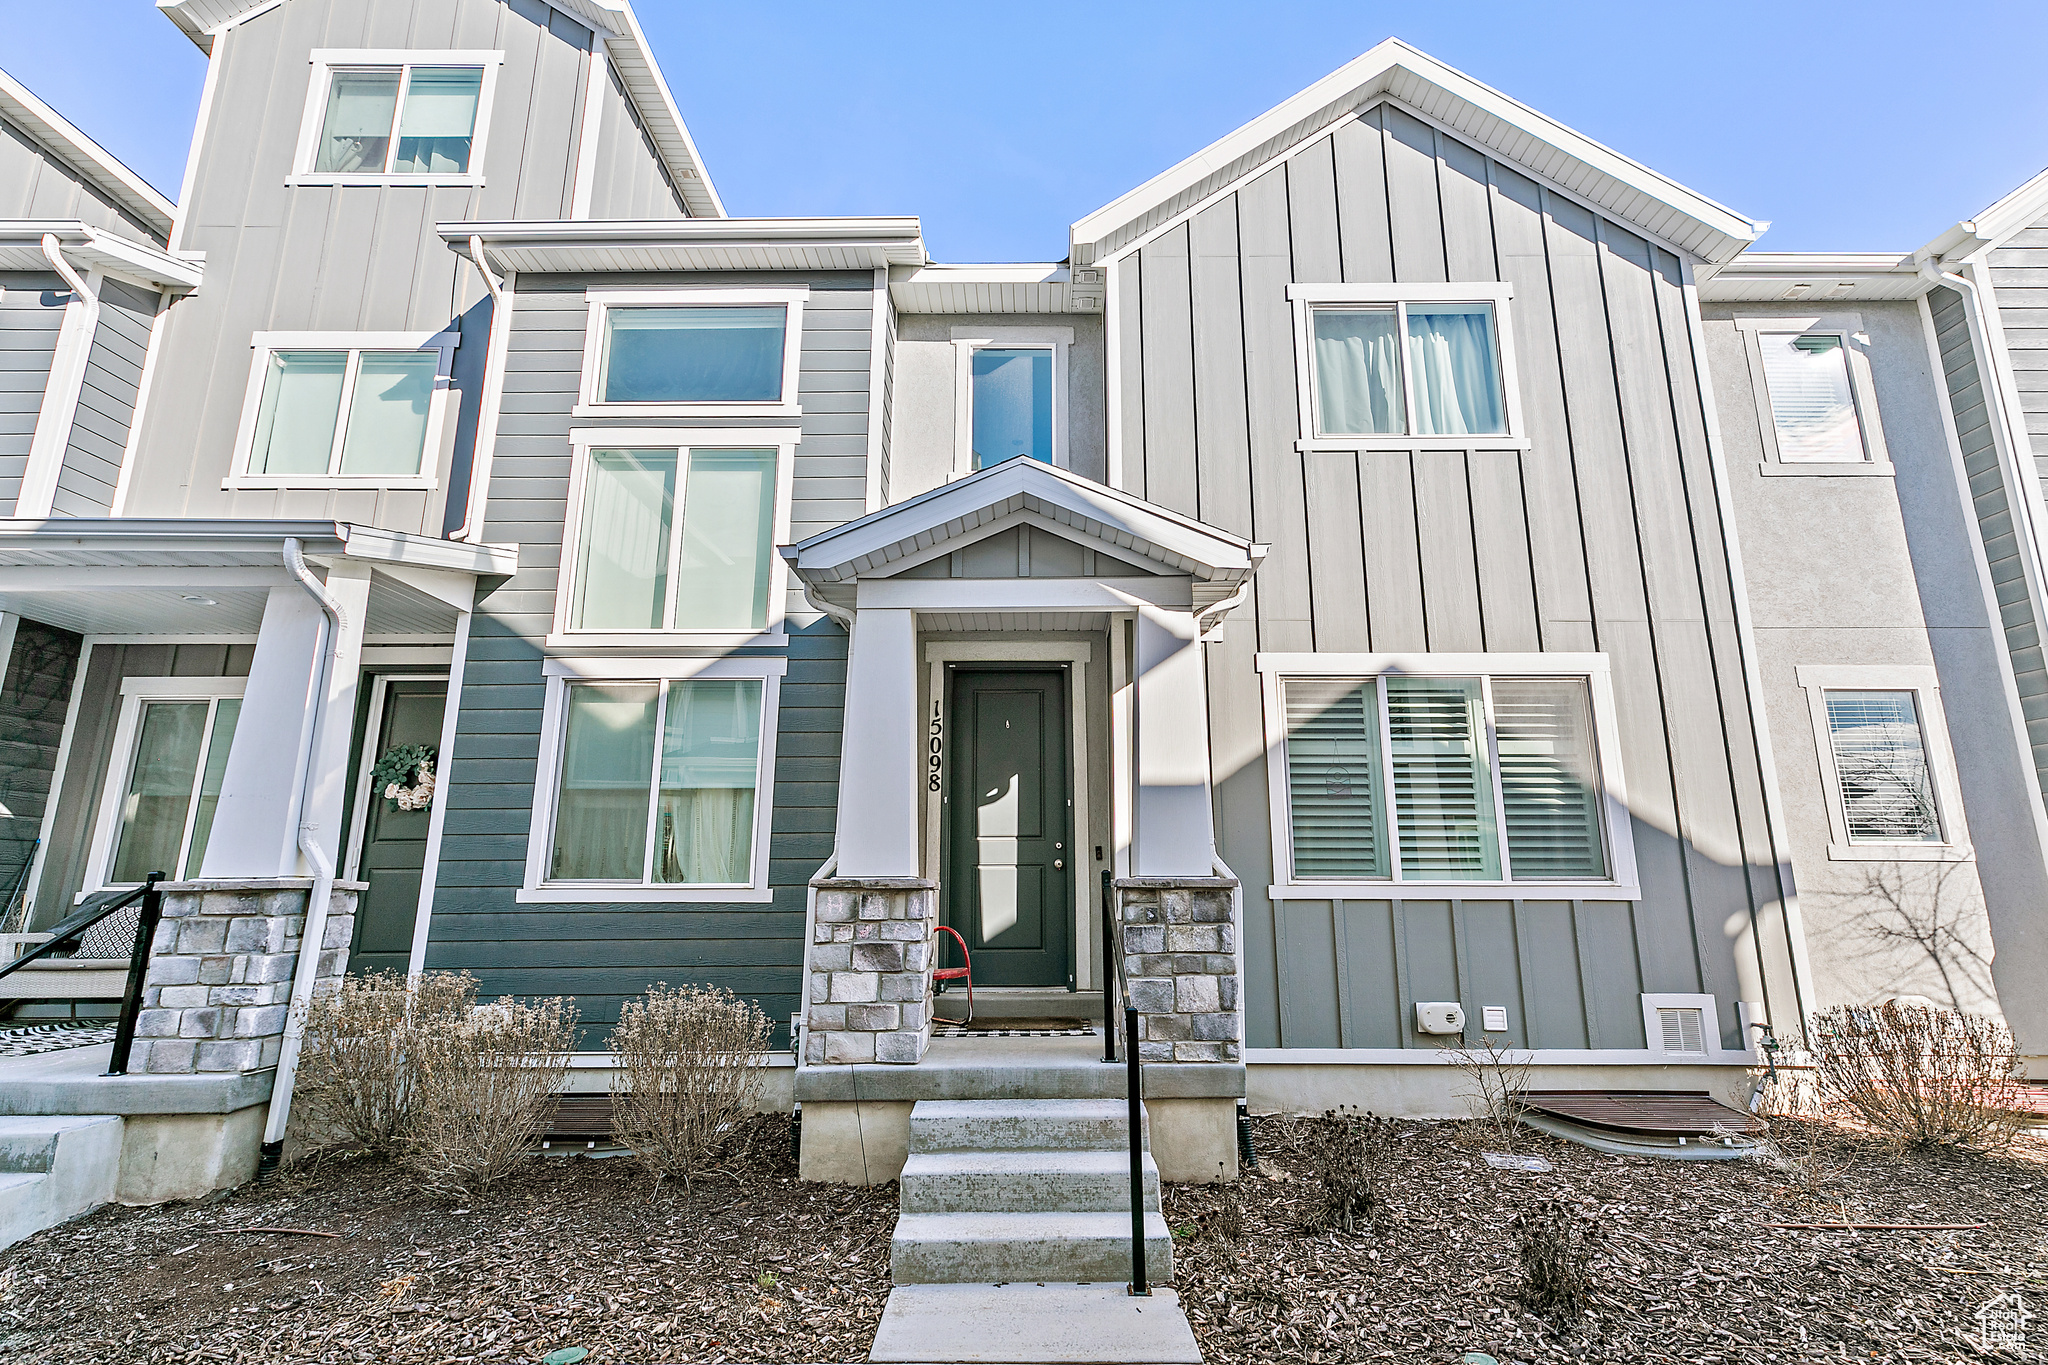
314 932
484 445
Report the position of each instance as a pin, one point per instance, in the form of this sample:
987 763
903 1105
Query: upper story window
1886 767
1010 398
1445 769
692 352
170 753
1414 365
1816 409
390 117
344 408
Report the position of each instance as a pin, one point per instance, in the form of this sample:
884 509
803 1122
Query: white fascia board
1867 274
1508 127
593 245
2022 208
57 134
642 77
170 540
92 247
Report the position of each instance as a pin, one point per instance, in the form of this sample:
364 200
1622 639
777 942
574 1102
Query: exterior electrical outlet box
1439 1016
1493 1018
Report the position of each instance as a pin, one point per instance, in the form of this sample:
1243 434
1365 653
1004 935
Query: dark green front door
394 841
1008 843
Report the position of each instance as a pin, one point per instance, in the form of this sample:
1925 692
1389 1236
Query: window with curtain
1406 369
399 120
674 540
174 772
1428 779
1813 410
356 414
1880 753
658 781
693 354
1011 404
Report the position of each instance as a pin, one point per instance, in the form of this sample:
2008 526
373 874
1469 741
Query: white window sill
310 481
615 895
686 410
1820 469
1438 891
1900 853
668 641
1412 443
317 178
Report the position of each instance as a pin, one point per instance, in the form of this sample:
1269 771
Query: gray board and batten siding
604 953
350 258
1604 535
36 185
31 313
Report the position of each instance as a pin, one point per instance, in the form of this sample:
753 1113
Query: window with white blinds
1812 406
1880 754
1443 779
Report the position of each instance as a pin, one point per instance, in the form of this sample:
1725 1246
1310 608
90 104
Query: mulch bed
1690 1274
749 1264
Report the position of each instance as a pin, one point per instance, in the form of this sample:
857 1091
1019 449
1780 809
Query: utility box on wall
1439 1016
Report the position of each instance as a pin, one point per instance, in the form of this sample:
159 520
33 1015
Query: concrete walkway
1033 1324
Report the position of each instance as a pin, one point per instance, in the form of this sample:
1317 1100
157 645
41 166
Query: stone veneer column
220 972
870 970
1180 957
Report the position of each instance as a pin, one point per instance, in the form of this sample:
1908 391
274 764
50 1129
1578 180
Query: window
1886 770
1444 770
1816 412
1419 365
389 117
676 538
655 787
692 352
325 409
1010 395
170 753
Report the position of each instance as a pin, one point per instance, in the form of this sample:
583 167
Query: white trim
1622 883
63 764
504 296
262 345
62 387
601 301
583 440
437 816
1112 381
1848 328
121 757
1026 594
590 130
881 328
1710 1025
1924 682
158 325
181 212
968 340
1303 299
1420 1056
538 889
325 60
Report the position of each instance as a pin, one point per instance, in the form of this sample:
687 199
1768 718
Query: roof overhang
878 544
21 248
694 244
1814 277
626 46
2022 208
1025 288
1511 130
97 165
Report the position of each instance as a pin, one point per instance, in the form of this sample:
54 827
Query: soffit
21 248
694 244
1025 288
1813 276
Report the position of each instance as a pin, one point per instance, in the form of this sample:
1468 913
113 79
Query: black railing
1113 965
67 934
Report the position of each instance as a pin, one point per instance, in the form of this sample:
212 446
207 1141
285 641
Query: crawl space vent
1684 1031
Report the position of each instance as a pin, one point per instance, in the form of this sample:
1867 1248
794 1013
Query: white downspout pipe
332 624
484 445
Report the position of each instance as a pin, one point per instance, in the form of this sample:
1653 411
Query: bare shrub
484 1084
1347 1151
352 1087
1494 1075
687 1074
1556 1240
1922 1077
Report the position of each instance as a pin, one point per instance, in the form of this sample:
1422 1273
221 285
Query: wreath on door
404 776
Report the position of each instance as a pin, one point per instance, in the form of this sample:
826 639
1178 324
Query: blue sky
1850 127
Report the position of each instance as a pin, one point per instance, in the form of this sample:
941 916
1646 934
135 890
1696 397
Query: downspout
314 933
1931 271
53 252
484 445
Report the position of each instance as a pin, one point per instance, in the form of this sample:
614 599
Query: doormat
1018 1028
28 1040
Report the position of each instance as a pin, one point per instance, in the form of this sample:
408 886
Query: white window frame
326 61
583 440
1862 391
1305 298
1621 883
590 401
558 674
1924 682
968 340
264 344
134 693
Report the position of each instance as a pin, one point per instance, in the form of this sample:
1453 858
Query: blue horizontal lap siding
606 952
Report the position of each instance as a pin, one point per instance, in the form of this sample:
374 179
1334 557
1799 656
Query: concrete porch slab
69 1082
1033 1324
1015 1068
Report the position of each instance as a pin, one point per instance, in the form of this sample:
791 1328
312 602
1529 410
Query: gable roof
625 45
93 163
2022 208
1508 128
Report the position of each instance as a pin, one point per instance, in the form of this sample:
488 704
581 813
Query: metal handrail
1133 1081
65 934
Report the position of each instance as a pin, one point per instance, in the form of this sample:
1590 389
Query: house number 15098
935 747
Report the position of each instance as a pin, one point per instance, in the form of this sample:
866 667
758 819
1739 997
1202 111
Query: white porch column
256 826
880 755
1174 834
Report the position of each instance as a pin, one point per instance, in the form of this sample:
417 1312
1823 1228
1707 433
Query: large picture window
326 409
692 351
389 117
170 753
1421 365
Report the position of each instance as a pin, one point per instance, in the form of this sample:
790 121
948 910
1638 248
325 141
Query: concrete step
1011 1125
53 1168
1004 1248
1024 1182
1066 1324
